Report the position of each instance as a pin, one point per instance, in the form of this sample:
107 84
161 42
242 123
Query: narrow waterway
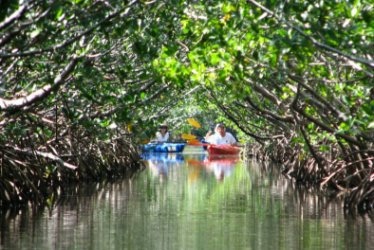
190 201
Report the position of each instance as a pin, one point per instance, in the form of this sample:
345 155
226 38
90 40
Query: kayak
223 149
164 147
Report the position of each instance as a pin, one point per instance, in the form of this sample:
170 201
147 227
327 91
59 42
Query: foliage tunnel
83 82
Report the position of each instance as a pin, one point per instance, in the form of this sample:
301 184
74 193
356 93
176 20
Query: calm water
188 201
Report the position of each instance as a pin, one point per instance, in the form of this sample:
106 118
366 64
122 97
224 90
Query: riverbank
347 175
36 176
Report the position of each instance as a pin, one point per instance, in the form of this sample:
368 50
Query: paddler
220 136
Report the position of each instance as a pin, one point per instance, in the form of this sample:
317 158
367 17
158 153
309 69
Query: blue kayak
164 147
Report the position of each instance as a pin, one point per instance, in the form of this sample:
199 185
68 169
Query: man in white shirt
220 136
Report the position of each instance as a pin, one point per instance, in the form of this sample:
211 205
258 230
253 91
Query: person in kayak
220 136
162 135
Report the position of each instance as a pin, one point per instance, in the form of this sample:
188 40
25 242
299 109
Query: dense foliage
293 77
296 77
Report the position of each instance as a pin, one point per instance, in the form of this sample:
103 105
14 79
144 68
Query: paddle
193 122
197 143
191 139
188 137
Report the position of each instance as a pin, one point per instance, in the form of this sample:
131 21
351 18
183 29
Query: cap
220 125
163 126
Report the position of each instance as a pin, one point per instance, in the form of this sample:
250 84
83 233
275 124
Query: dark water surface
188 201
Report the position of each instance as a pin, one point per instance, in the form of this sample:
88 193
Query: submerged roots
33 174
348 171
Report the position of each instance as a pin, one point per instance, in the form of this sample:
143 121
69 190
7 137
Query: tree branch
47 155
18 104
72 39
312 39
16 15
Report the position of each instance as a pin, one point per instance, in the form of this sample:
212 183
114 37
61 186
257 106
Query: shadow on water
190 201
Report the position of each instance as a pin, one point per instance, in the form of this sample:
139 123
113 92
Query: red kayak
223 149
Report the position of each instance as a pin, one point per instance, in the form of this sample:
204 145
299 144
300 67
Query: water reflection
219 166
159 163
252 208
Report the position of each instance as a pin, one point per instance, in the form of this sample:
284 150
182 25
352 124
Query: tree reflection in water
255 207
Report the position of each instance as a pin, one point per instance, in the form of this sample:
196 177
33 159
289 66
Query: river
190 201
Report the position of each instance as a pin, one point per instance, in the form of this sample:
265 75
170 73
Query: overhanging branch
313 40
40 94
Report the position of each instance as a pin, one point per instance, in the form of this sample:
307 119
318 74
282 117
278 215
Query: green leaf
214 58
35 33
